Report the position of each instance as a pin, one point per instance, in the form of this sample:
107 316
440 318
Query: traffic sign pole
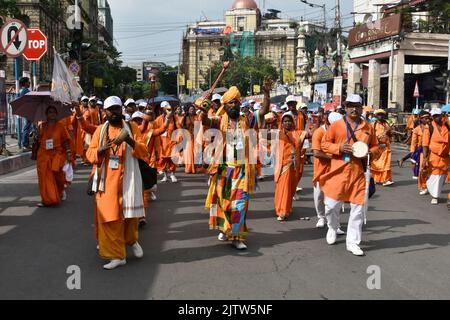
19 119
34 75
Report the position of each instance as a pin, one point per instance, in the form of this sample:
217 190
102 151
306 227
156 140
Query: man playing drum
345 182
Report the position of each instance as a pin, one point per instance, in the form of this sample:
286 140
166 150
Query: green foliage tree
9 8
244 71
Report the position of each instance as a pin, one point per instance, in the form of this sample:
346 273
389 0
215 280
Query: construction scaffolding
243 45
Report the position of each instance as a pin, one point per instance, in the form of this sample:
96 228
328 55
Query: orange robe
190 153
150 134
381 166
299 122
50 162
287 171
321 166
114 231
416 142
346 181
67 123
80 136
165 149
439 147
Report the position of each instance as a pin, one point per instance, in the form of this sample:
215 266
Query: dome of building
244 4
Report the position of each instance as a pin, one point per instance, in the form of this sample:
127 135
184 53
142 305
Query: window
241 23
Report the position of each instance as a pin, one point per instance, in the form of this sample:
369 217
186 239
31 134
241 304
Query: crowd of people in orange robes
115 137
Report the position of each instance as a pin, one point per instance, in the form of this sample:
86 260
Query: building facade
247 32
392 48
106 23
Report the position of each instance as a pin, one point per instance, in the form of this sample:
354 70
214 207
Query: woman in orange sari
188 123
288 165
54 151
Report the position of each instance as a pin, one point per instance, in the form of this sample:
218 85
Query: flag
65 87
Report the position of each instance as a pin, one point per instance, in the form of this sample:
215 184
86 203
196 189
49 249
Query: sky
152 30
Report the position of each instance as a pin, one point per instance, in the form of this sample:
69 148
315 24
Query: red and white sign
416 90
36 45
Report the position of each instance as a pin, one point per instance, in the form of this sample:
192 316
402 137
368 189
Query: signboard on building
320 93
373 31
337 90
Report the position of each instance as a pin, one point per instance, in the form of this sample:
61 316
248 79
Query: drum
121 137
360 149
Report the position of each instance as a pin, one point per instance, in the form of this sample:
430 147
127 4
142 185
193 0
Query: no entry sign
36 45
13 36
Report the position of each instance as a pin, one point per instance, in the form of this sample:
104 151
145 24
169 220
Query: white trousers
435 183
319 201
354 228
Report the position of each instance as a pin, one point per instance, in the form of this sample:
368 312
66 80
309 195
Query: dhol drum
360 149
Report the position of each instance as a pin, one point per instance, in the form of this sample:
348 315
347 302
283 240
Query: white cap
290 99
354 98
143 104
127 117
216 96
137 114
92 98
284 107
333 117
435 111
84 98
112 101
251 101
99 102
129 101
165 104
257 106
276 108
288 114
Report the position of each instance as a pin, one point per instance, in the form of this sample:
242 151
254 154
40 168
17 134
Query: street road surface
406 237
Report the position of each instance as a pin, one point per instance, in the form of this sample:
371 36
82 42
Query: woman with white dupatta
115 149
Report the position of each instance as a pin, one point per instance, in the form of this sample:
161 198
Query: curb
15 163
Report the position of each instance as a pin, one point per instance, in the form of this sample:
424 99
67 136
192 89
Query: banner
182 79
65 87
320 93
3 105
337 90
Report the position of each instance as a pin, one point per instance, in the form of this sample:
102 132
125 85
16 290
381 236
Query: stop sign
36 46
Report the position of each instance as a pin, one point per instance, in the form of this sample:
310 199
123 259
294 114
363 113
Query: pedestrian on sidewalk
54 151
115 149
28 127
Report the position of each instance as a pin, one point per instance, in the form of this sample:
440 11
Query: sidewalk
17 160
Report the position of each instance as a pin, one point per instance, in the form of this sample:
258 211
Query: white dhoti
435 183
355 221
319 201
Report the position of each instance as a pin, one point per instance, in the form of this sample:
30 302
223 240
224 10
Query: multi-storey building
394 46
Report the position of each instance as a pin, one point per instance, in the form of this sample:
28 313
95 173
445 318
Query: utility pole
339 70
